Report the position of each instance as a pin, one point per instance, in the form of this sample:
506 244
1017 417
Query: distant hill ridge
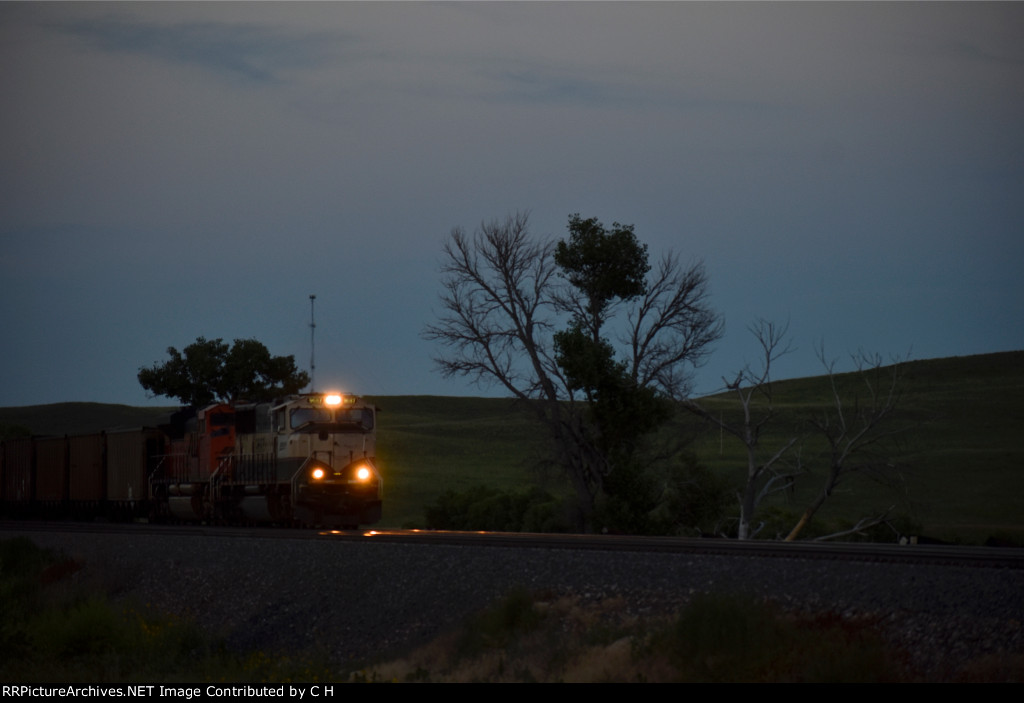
85 417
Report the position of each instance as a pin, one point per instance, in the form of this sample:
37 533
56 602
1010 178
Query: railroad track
951 555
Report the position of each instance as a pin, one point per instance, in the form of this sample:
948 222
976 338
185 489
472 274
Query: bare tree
499 309
854 426
753 390
856 432
503 301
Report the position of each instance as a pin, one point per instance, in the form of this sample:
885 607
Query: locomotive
308 459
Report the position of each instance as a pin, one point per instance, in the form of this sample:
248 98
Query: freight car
308 459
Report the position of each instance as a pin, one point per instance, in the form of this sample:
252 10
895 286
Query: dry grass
715 639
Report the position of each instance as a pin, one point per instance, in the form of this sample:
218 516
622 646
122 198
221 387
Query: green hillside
963 477
962 468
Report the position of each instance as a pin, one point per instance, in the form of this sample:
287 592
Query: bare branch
856 428
862 524
672 328
498 308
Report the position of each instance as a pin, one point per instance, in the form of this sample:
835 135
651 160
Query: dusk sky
174 170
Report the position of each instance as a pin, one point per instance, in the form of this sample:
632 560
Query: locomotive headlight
333 399
363 473
317 474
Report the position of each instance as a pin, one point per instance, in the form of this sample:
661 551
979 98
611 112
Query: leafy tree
209 370
507 293
604 267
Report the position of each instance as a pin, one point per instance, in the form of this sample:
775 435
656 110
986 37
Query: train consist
308 459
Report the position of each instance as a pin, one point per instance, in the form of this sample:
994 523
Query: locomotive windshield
341 420
358 418
300 416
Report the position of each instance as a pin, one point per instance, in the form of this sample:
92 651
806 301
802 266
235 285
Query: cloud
252 52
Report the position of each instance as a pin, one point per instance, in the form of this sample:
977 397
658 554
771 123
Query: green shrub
678 498
486 508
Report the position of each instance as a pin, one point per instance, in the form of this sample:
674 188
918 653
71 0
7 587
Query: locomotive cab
327 442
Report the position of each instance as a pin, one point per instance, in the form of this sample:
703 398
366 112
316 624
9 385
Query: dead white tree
753 391
856 428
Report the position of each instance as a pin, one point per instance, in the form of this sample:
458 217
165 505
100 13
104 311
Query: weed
495 628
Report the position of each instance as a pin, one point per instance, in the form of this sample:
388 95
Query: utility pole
312 343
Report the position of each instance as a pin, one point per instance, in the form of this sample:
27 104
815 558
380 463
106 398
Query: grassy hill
965 467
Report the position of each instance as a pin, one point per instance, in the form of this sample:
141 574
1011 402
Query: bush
486 508
682 498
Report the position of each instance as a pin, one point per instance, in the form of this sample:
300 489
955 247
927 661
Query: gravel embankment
363 600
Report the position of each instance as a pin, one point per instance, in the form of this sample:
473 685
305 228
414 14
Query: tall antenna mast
312 342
